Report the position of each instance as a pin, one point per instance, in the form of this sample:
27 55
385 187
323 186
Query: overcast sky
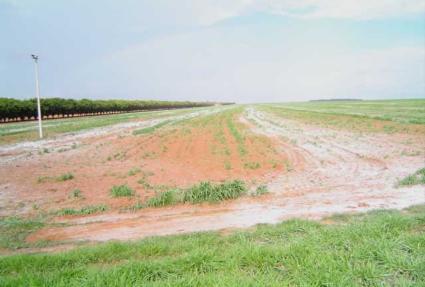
216 50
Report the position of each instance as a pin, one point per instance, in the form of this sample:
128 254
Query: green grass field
380 248
402 111
389 116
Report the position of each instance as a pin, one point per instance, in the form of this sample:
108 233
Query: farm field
177 188
22 131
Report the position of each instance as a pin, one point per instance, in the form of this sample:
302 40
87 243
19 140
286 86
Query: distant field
399 112
406 116
382 248
15 132
402 111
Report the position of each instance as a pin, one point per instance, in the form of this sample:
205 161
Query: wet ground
321 171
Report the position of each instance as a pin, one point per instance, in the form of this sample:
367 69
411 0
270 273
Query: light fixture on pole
37 91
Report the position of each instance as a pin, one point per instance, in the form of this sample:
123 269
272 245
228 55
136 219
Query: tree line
20 110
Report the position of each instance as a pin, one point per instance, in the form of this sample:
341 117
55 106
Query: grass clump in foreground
202 192
417 178
121 191
380 248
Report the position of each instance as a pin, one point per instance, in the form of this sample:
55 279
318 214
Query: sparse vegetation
237 136
65 177
16 132
91 209
288 165
76 193
62 177
252 165
134 171
417 178
14 230
151 129
261 189
121 191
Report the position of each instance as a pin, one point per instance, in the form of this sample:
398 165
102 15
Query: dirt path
330 171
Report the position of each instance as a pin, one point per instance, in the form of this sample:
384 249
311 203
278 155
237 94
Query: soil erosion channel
322 171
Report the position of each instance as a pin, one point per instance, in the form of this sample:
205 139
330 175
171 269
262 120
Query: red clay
311 172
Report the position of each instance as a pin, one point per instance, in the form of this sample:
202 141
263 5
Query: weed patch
252 165
202 192
83 211
260 190
417 178
206 191
168 197
65 177
76 193
14 230
121 191
133 171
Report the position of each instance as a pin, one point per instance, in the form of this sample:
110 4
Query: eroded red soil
177 156
310 172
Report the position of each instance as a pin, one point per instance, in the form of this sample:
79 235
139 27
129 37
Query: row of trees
18 110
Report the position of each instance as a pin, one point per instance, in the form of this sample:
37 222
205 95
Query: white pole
37 91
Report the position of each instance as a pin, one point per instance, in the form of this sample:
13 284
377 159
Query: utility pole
37 91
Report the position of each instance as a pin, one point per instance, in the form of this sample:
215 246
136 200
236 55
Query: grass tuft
121 191
206 191
134 171
252 165
83 211
76 193
202 192
260 190
165 198
65 177
417 178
